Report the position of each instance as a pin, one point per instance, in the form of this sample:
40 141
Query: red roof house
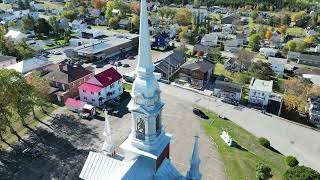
102 87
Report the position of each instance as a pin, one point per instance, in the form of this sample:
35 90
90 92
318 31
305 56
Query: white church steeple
145 105
194 172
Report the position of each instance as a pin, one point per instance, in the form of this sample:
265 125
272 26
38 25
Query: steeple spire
108 146
194 173
145 65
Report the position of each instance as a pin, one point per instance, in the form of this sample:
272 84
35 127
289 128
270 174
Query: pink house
102 87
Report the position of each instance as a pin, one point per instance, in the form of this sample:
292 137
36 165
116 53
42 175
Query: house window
99 93
72 85
93 100
92 92
85 98
84 91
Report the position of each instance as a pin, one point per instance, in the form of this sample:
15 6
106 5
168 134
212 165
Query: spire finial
145 65
108 146
194 172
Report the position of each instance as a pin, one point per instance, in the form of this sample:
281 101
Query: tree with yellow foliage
268 35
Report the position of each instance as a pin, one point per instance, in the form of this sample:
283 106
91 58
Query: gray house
227 90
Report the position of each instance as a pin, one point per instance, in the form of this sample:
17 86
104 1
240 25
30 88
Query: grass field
127 86
21 130
240 163
296 31
237 77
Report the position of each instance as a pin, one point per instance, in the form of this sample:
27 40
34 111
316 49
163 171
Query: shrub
264 142
292 161
263 172
300 172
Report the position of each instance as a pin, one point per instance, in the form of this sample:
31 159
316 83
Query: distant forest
262 4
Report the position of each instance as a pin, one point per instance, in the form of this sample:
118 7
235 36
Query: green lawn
102 27
245 96
21 130
238 77
296 31
240 163
127 86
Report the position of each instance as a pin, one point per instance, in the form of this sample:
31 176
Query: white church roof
99 166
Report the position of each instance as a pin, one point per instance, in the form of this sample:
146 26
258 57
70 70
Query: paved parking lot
65 148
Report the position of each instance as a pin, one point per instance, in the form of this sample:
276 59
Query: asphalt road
288 138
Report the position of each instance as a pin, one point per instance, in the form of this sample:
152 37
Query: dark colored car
31 152
223 117
199 113
126 65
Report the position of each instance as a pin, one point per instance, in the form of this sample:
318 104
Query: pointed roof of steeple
194 172
145 64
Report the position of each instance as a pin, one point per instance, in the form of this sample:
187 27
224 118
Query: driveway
286 137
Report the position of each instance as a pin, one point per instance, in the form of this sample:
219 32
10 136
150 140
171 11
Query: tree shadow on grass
63 152
274 150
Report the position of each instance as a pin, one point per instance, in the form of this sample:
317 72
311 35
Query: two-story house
209 40
260 91
278 65
228 90
65 78
196 72
102 87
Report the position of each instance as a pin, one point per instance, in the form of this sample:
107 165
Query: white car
56 53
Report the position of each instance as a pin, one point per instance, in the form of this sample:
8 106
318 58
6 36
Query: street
286 137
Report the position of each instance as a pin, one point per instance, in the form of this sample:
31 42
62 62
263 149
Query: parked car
126 65
31 152
118 64
199 113
223 117
56 53
85 115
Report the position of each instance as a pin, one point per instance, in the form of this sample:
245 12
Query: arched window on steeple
140 129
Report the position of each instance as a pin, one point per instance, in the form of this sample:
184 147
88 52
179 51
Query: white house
32 64
15 35
269 52
102 87
209 40
278 65
260 91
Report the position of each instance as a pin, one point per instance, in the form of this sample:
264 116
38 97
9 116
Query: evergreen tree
21 5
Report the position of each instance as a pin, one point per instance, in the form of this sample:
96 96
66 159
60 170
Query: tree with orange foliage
297 91
136 7
282 29
268 35
97 4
